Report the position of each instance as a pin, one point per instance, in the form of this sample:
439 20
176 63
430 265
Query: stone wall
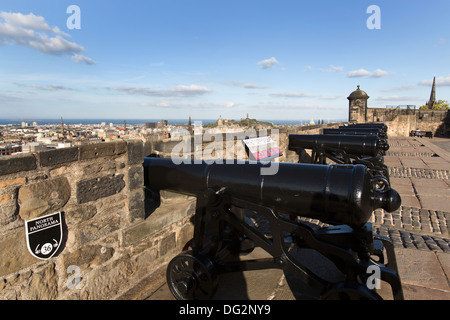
110 240
231 144
402 121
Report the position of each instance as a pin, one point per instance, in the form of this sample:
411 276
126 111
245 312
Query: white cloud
396 98
291 95
229 104
179 105
177 91
48 87
400 88
378 73
29 21
304 95
333 69
358 73
268 63
244 85
440 81
34 32
79 58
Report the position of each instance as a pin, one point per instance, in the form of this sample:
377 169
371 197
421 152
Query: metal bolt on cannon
342 194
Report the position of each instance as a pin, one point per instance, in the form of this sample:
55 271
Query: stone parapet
110 240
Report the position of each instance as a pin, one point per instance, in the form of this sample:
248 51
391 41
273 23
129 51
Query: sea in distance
118 122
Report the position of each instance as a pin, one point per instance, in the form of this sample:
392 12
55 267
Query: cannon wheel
350 291
191 277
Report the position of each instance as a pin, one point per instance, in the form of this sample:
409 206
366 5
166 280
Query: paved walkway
420 172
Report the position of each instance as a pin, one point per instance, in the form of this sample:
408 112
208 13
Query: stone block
99 228
100 150
43 197
4 198
15 164
135 178
14 254
161 218
421 268
79 213
8 206
87 256
136 205
12 182
168 243
135 152
44 284
57 156
100 167
96 188
8 213
107 280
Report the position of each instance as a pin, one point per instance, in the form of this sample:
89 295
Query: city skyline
283 60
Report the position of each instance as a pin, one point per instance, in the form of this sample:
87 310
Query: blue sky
276 60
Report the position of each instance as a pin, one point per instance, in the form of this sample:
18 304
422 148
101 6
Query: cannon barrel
357 131
381 126
352 144
335 194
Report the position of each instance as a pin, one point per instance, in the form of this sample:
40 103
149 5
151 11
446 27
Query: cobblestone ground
414 227
417 227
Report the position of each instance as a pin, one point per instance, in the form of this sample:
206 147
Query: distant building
154 125
430 103
9 149
33 147
64 145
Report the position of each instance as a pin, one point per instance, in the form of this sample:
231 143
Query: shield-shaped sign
44 235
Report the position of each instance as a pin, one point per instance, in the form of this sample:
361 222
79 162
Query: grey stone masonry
418 173
414 219
96 188
414 240
417 228
15 164
409 154
109 236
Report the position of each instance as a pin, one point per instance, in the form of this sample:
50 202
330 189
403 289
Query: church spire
62 129
432 100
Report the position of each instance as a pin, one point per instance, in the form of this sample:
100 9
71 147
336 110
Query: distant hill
247 123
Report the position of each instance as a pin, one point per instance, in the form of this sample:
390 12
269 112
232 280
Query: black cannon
379 132
378 125
344 149
343 196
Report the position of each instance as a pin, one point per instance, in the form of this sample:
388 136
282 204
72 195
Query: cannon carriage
367 150
342 196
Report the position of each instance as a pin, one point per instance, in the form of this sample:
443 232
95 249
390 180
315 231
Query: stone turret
358 106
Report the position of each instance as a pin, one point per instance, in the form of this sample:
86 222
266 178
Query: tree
440 105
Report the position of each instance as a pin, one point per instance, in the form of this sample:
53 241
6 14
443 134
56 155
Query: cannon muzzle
335 194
